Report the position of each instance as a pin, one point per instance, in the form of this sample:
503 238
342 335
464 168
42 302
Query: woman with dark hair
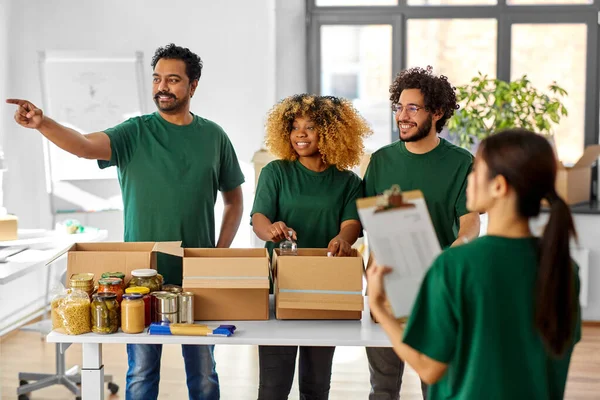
497 318
311 194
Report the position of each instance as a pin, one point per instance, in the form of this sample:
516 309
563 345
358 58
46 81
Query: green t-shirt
169 177
314 204
440 174
475 312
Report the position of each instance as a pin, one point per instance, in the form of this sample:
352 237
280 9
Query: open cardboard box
573 183
228 284
97 258
8 227
314 286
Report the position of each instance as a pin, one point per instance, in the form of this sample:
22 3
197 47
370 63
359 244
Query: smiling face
304 137
413 120
171 87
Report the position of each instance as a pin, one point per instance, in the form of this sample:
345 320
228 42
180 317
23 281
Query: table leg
92 372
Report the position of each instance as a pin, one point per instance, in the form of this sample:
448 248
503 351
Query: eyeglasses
411 109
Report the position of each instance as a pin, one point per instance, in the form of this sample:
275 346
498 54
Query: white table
272 332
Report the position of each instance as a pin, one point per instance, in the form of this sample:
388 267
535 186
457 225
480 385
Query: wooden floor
238 370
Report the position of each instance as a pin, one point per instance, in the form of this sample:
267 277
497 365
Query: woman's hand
375 288
339 247
279 231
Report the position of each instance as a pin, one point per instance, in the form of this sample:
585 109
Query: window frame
505 14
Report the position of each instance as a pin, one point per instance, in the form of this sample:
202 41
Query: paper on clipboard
405 240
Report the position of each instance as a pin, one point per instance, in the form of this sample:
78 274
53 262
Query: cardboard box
8 227
573 183
314 286
98 258
228 284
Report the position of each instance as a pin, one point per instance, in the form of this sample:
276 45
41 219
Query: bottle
288 247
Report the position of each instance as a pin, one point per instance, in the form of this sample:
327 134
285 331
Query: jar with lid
105 313
111 285
119 275
144 292
132 313
83 282
146 278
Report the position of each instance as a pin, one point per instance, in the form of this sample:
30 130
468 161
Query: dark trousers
277 365
386 370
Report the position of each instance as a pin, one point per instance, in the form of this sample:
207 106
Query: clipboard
401 235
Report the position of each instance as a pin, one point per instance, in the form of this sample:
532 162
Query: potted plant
490 105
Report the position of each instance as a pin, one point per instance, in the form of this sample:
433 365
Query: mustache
164 94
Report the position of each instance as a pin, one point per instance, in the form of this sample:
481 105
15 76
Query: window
533 52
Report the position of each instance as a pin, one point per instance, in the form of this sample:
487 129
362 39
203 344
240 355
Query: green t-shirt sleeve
230 173
461 202
432 328
265 198
123 143
355 192
368 180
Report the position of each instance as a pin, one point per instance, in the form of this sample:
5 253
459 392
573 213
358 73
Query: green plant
491 105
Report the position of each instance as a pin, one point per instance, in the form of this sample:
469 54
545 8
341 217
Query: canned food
83 282
165 307
172 289
186 308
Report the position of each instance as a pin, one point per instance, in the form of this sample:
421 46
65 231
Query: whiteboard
89 92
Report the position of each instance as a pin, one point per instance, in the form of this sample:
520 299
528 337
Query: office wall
235 38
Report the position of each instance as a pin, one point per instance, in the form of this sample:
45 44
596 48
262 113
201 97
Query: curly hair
340 127
438 93
193 63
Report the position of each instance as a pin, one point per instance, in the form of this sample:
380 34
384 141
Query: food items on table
111 285
132 313
147 278
117 274
84 281
145 292
105 313
72 312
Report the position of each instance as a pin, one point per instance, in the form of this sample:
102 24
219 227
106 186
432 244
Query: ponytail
556 305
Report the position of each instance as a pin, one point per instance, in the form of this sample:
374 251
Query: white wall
235 39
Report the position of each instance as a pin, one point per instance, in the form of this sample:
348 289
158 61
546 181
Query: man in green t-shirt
421 160
171 164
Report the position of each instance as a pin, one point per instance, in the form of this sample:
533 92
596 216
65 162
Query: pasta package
72 312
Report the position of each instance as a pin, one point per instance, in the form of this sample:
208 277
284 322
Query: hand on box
339 248
375 288
279 231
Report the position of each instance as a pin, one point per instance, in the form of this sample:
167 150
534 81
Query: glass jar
105 313
111 285
147 278
144 292
119 275
132 313
83 282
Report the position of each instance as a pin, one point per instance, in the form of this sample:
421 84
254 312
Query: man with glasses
421 160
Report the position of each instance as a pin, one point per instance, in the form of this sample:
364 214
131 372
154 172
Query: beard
174 106
422 131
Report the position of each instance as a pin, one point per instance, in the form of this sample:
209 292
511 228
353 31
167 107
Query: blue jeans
143 374
386 370
277 365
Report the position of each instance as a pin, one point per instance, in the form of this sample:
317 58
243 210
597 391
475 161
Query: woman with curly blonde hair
309 194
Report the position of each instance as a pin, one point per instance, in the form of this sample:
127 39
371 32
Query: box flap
314 300
62 253
225 253
115 246
172 248
589 157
